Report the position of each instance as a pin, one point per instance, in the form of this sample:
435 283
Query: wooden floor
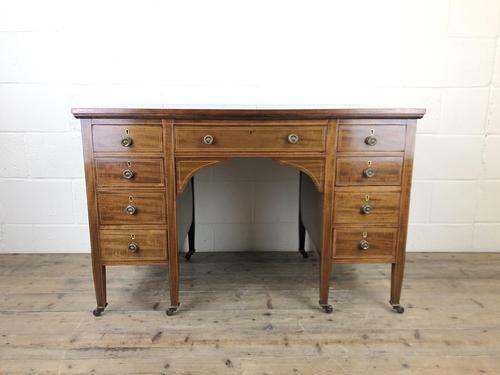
250 313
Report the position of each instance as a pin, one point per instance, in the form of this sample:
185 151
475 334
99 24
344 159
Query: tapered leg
99 272
191 250
173 281
396 285
324 284
302 228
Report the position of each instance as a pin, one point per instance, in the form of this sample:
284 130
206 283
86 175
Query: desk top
256 114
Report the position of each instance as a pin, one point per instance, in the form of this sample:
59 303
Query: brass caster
188 255
304 253
327 308
171 310
398 309
99 310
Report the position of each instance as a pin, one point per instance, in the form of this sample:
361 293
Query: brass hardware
133 247
127 142
129 164
130 198
369 163
130 209
128 174
132 236
366 209
371 140
364 245
372 131
293 138
208 139
367 198
365 234
369 172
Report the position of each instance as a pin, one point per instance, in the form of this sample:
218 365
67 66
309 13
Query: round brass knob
128 174
369 172
364 245
130 209
293 138
132 247
127 142
208 139
371 140
366 209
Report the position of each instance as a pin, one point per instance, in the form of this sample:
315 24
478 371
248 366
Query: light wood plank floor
251 313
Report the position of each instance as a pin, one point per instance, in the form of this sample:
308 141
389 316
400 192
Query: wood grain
145 138
152 244
257 114
228 326
382 243
385 208
146 172
351 170
249 139
150 207
389 137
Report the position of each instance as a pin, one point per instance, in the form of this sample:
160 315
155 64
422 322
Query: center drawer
250 138
373 207
132 208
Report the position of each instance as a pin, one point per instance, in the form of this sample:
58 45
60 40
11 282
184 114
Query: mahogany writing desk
355 165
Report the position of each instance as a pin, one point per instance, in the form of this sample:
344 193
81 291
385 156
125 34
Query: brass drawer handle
371 140
293 138
364 245
132 247
366 209
130 209
208 139
128 173
127 142
369 172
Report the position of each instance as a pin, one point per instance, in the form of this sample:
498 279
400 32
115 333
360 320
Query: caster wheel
188 255
171 311
98 310
398 309
304 254
327 308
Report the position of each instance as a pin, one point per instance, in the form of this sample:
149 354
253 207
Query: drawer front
365 243
128 139
133 245
366 208
129 172
365 170
143 208
248 138
371 138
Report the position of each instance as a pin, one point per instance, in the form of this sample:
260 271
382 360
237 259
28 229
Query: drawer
367 170
128 139
144 208
249 139
133 245
129 172
371 138
360 244
372 207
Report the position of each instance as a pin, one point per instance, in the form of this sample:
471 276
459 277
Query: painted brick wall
439 54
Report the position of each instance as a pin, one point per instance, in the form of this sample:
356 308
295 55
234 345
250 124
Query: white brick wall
439 54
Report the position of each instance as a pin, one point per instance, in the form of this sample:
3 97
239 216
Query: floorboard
250 313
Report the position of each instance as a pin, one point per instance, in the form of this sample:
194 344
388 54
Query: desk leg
191 228
99 273
396 285
302 228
